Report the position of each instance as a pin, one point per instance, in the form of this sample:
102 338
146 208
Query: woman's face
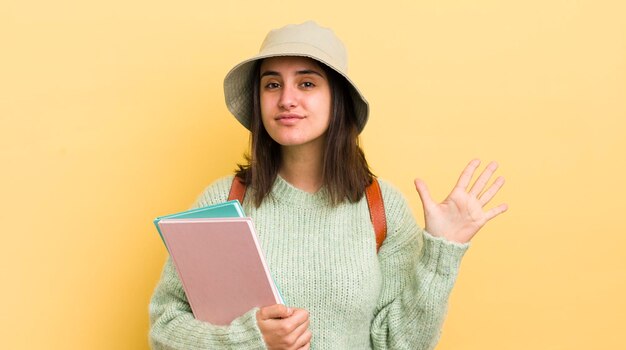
295 100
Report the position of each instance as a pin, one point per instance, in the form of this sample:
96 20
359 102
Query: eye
307 84
272 86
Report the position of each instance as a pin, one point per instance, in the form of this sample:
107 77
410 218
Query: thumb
275 311
424 194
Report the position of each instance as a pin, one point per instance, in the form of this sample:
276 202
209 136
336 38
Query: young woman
306 178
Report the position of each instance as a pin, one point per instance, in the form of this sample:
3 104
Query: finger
491 191
481 182
495 212
302 335
304 342
299 318
424 194
292 331
466 175
274 311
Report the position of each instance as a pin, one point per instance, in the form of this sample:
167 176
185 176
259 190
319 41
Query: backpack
374 202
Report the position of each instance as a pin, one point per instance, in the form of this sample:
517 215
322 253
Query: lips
289 116
288 119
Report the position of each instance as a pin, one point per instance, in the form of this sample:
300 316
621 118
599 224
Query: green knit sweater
324 260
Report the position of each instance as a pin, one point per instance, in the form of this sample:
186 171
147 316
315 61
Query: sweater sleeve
419 271
172 324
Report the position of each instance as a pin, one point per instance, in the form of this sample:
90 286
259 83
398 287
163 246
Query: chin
290 139
287 143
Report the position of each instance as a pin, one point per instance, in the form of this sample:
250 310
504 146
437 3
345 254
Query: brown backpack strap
377 212
374 202
237 190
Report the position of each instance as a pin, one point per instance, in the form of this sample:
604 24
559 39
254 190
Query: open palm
459 217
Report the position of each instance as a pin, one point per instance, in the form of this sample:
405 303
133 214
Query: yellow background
112 113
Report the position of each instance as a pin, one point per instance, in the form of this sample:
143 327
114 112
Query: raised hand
461 214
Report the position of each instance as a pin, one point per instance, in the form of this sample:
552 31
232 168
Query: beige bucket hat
307 40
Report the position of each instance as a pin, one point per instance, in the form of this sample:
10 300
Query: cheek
265 107
324 106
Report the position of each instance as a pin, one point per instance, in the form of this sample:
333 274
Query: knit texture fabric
324 259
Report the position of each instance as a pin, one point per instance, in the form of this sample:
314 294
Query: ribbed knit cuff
187 333
245 333
440 255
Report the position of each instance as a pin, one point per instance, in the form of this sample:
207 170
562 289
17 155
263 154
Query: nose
288 98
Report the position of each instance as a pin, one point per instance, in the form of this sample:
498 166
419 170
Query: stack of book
219 261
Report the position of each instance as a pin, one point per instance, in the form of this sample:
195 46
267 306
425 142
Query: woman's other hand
461 214
284 328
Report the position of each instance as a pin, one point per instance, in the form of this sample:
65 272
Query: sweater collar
283 191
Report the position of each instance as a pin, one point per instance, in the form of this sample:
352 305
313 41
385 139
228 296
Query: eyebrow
300 72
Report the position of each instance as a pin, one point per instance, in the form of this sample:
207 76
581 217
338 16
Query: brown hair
344 168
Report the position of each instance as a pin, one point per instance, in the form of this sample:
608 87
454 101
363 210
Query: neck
302 167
